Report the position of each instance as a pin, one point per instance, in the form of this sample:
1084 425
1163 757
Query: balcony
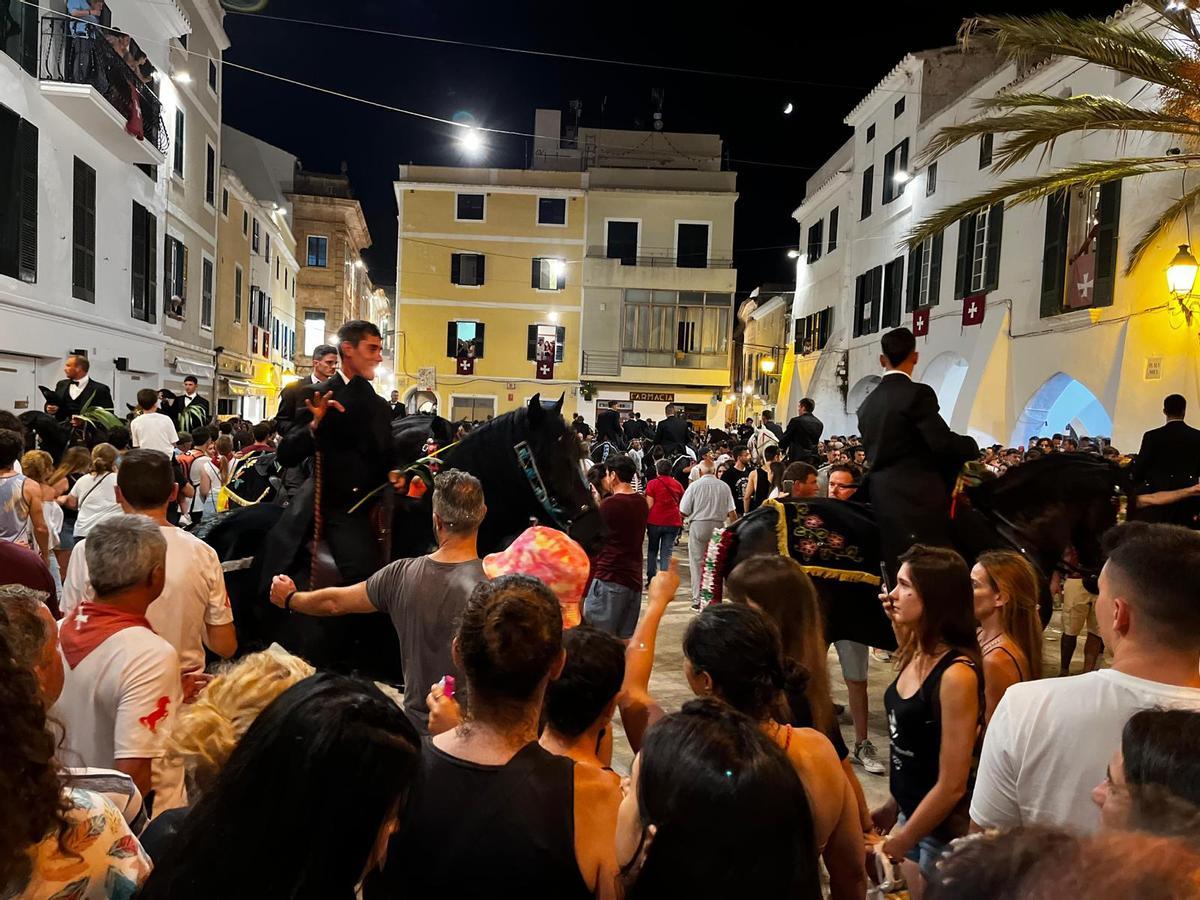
660 258
87 78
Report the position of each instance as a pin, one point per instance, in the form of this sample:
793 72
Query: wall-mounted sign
651 397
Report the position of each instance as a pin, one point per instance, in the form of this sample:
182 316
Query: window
212 75
183 39
870 133
533 332
552 211
924 273
931 180
691 245
469 207
256 235
18 196
868 185
175 278
143 268
812 332
225 202
466 269
893 291
237 293
314 330
177 149
210 174
83 230
895 172
206 292
471 409
19 36
277 270
669 328
1079 258
621 241
867 290
549 273
267 248
318 251
464 339
978 265
985 151
833 225
898 109
816 239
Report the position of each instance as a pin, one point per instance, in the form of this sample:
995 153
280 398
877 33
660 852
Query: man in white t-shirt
121 685
152 430
193 610
1049 742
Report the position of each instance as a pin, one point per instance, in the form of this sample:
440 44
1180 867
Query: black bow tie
75 384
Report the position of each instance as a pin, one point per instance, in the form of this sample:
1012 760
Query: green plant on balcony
587 389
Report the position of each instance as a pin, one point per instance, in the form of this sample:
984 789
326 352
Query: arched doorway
860 392
419 401
1060 406
945 373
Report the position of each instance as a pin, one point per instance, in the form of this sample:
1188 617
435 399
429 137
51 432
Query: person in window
85 15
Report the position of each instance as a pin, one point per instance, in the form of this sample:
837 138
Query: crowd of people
146 754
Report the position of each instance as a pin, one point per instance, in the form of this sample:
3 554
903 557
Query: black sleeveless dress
486 831
915 726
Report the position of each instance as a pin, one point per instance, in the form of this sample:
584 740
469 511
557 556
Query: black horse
529 464
1039 509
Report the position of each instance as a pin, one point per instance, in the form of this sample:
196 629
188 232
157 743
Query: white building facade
1095 361
85 147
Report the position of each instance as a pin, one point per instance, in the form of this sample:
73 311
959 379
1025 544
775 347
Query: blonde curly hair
207 731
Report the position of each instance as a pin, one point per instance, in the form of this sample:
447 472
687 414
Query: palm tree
1166 54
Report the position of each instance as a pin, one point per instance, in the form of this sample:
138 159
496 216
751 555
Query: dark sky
840 50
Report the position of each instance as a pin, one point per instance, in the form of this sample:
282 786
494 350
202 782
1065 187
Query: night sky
830 55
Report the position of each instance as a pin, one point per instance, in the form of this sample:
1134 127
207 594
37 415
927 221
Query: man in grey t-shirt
423 596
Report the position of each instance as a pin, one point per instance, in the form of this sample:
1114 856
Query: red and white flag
466 365
921 322
545 359
973 307
1081 277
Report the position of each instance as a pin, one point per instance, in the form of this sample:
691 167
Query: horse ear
559 403
534 409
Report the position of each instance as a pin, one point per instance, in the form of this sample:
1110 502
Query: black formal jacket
178 406
608 426
801 436
914 458
672 431
1168 460
290 403
356 445
96 392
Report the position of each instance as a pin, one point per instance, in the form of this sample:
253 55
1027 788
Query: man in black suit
672 433
189 399
608 425
913 455
1169 460
399 410
802 434
325 360
351 426
77 390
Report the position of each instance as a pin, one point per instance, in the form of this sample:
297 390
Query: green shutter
962 268
1106 242
875 292
531 345
1054 254
935 268
479 341
27 259
991 270
480 258
537 265
452 339
911 301
456 268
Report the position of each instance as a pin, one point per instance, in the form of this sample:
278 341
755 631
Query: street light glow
767 365
553 316
793 254
182 77
557 268
787 110
472 141
358 264
902 177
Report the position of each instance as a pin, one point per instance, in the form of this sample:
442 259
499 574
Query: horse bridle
554 509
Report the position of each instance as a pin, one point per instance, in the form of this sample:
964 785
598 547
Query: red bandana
90 625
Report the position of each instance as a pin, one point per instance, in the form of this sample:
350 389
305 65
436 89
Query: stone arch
1061 405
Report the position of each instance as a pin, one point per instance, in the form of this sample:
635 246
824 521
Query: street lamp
793 254
1181 273
471 141
767 365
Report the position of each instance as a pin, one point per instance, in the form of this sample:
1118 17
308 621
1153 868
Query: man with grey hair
423 596
121 680
708 504
32 635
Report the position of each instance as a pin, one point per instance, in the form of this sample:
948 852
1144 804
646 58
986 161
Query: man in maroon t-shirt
20 565
614 598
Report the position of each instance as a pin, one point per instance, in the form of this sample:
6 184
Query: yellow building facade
489 264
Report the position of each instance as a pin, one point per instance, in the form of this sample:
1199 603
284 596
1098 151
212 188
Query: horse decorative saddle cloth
829 538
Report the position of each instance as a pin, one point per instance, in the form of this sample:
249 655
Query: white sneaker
866 756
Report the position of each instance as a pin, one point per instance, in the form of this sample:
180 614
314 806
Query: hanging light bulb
1181 273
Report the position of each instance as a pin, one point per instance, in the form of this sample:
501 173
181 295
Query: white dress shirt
74 390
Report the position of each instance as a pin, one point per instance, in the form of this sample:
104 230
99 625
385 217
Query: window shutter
479 260
151 267
562 278
452 339
859 300
875 289
833 229
912 301
1106 242
531 346
560 340
456 268
537 272
184 280
29 40
480 343
868 183
935 268
991 273
1054 254
27 136
962 268
137 263
168 271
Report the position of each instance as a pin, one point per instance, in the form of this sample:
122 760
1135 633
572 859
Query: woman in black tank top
493 813
934 711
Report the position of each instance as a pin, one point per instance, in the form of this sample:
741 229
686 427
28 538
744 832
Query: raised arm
335 601
638 709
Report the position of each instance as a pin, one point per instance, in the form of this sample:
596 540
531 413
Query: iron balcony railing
665 258
89 56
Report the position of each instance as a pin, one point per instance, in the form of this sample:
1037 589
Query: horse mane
1057 476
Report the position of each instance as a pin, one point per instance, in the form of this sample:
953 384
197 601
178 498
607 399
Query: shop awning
240 388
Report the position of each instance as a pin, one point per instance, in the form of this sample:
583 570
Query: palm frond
1040 127
192 417
1180 17
100 417
1028 190
1136 52
1160 226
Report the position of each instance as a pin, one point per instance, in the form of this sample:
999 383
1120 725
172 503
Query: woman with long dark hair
732 652
935 710
1005 589
306 803
714 810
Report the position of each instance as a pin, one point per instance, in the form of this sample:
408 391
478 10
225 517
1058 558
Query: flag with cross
973 307
1081 277
545 358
